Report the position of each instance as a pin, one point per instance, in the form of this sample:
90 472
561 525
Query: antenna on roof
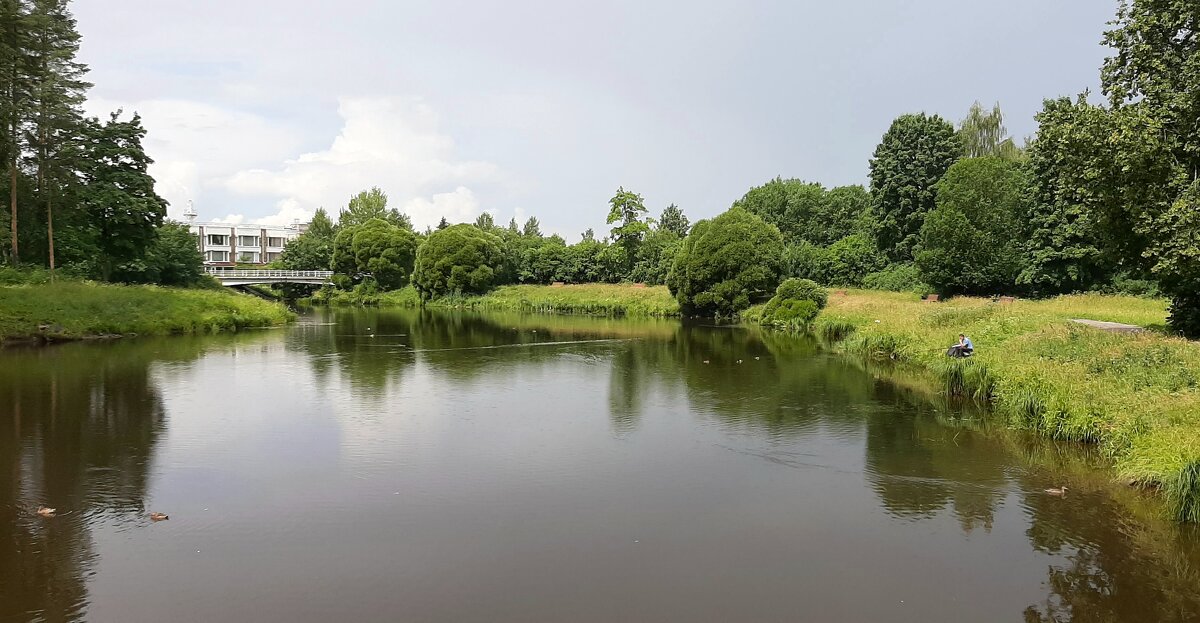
190 212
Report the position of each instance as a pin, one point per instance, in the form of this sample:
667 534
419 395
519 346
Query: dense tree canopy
726 264
371 204
971 242
460 259
805 211
913 156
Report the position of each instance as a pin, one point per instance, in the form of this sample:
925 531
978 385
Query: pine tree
14 100
57 91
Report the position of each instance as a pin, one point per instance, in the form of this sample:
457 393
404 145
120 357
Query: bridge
235 277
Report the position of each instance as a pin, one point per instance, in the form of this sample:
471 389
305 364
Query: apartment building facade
227 245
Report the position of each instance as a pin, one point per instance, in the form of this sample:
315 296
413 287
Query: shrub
460 259
804 289
726 264
795 304
851 259
896 278
806 261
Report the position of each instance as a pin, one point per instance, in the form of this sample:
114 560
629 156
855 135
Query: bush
726 264
803 289
896 278
806 260
460 259
851 259
795 304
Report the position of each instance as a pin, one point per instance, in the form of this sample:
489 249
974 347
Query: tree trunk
50 232
12 194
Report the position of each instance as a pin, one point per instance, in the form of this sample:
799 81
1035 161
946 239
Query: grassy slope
77 309
1137 396
596 299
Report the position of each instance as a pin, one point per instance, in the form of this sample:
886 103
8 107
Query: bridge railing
246 273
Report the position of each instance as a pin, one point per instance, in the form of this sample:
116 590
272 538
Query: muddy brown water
420 466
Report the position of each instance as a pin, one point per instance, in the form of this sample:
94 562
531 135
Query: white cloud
390 142
195 145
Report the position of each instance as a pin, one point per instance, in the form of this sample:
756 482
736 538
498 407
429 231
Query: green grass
1136 396
589 299
598 299
71 309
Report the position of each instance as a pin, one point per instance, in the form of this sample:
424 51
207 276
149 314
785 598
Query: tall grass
78 309
1135 396
596 299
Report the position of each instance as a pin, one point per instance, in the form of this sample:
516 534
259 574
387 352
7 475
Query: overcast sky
264 110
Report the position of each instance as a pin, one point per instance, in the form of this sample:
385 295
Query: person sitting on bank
963 348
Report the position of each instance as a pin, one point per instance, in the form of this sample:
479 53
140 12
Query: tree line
372 247
76 189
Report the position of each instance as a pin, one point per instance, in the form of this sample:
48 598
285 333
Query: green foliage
173 259
1178 261
805 211
320 226
726 264
118 195
655 256
673 220
806 260
460 259
897 278
851 259
795 304
971 242
485 222
913 156
384 251
589 299
309 251
626 209
76 310
372 204
983 134
532 228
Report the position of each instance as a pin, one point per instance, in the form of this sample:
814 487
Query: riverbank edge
1148 442
1159 454
600 300
72 310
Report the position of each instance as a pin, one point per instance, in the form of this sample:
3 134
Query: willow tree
983 134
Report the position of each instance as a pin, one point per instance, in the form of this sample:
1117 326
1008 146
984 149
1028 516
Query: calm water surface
416 466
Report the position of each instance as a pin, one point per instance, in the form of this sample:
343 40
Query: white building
224 244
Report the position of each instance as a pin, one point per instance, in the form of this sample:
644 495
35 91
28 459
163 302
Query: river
424 466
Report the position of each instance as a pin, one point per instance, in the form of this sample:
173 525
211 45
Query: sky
261 111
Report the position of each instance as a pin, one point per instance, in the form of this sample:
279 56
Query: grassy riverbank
72 309
595 299
1136 396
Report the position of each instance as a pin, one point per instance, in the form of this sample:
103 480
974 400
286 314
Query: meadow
72 309
1136 396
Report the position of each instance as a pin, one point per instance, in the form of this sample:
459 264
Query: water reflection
465 466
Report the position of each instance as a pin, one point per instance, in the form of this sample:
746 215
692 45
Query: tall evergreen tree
532 228
674 220
14 102
56 95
